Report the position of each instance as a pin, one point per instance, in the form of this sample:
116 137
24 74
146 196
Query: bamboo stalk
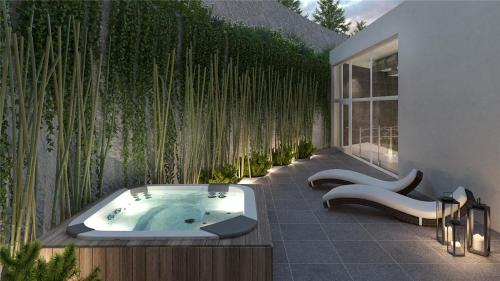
162 92
27 100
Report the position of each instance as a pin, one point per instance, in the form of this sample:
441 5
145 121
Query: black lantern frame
456 246
447 202
479 238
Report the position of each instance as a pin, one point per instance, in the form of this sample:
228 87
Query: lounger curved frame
409 188
402 216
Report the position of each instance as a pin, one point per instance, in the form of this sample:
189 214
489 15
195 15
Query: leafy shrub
27 266
283 155
204 176
259 164
225 174
306 150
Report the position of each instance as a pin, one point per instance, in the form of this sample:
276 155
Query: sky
356 10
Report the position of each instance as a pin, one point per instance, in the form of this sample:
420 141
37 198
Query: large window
368 103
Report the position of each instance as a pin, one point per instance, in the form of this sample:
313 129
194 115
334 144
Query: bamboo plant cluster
76 93
27 78
224 116
231 115
22 94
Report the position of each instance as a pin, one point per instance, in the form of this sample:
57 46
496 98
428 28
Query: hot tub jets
170 211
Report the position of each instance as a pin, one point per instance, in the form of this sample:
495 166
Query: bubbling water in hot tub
166 210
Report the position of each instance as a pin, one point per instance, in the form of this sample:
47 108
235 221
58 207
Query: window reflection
373 131
385 134
385 76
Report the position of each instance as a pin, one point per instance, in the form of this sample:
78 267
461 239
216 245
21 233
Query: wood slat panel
219 264
245 267
127 264
139 264
85 261
166 263
206 264
113 264
193 263
258 264
233 263
57 251
46 253
175 263
99 259
153 264
179 267
267 264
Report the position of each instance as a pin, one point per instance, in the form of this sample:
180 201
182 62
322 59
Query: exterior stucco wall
449 92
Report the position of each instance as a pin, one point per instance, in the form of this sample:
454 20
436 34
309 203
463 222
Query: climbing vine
237 96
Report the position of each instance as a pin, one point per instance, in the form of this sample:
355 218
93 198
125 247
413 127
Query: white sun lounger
343 177
402 207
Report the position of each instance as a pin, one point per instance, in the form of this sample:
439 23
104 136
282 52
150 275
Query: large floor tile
469 258
312 194
333 215
283 187
279 254
364 214
391 231
495 235
285 179
271 215
296 216
276 232
346 232
291 194
412 252
311 252
312 242
291 204
281 272
319 272
361 252
377 272
302 232
425 233
315 204
485 271
434 272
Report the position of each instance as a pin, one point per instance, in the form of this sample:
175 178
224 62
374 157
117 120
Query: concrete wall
273 15
449 92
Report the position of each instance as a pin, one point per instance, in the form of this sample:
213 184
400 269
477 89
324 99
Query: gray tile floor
352 242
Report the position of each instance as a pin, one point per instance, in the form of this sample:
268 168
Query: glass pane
360 78
337 126
345 80
385 134
345 126
385 76
361 129
336 82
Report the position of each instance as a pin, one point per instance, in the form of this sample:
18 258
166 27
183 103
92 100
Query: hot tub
169 211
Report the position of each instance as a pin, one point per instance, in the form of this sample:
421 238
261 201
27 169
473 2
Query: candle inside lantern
457 245
478 242
449 234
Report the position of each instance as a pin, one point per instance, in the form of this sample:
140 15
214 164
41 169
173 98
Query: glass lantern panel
456 245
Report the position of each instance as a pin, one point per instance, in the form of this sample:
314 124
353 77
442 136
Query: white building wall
449 92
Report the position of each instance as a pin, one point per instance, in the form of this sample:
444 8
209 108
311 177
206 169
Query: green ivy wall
133 37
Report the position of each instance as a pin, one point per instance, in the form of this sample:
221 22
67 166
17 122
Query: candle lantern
447 209
456 245
478 229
